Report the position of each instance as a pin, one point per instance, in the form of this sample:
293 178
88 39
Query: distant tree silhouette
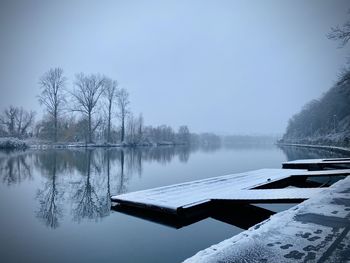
17 121
110 93
340 33
86 96
52 96
8 119
123 106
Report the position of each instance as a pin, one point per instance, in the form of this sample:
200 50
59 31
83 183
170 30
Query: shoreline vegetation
204 140
93 112
325 121
13 143
9 143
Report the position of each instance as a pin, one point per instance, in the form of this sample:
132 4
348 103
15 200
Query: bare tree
8 119
17 121
131 130
340 33
134 129
140 126
86 96
123 106
52 96
24 119
110 94
184 135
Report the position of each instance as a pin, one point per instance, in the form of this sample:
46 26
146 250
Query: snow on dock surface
317 163
234 187
317 230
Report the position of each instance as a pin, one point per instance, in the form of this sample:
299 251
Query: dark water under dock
55 204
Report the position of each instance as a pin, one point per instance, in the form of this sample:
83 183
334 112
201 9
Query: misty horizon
223 67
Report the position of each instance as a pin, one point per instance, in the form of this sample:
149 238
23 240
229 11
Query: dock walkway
243 188
318 164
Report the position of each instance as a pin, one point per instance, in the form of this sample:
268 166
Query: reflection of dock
316 230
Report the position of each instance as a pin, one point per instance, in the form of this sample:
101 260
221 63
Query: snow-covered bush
12 143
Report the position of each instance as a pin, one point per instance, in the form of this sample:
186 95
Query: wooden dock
259 186
317 230
318 164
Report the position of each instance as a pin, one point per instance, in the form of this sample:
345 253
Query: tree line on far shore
326 120
94 110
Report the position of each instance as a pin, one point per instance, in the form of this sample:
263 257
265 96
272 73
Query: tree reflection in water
79 182
15 167
87 202
106 200
50 210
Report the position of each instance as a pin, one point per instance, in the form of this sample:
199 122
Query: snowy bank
12 143
316 230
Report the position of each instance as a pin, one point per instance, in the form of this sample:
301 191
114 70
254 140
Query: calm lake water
55 204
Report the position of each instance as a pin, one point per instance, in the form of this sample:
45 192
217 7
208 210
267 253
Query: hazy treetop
223 66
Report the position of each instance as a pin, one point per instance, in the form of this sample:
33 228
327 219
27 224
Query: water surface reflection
84 179
55 203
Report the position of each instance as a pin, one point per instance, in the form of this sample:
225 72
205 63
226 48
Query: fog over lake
216 66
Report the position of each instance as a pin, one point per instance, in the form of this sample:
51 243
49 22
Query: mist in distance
229 67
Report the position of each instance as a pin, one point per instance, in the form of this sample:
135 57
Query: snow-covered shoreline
9 143
96 145
306 232
326 147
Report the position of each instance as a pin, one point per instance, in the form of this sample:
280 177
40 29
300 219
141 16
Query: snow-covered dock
260 186
318 164
317 230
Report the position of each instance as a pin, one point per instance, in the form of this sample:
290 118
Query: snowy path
317 230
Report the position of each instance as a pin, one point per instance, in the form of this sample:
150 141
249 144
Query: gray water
55 204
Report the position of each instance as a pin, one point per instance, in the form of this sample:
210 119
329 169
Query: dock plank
174 196
234 187
285 195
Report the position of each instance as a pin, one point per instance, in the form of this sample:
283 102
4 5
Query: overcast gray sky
223 66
